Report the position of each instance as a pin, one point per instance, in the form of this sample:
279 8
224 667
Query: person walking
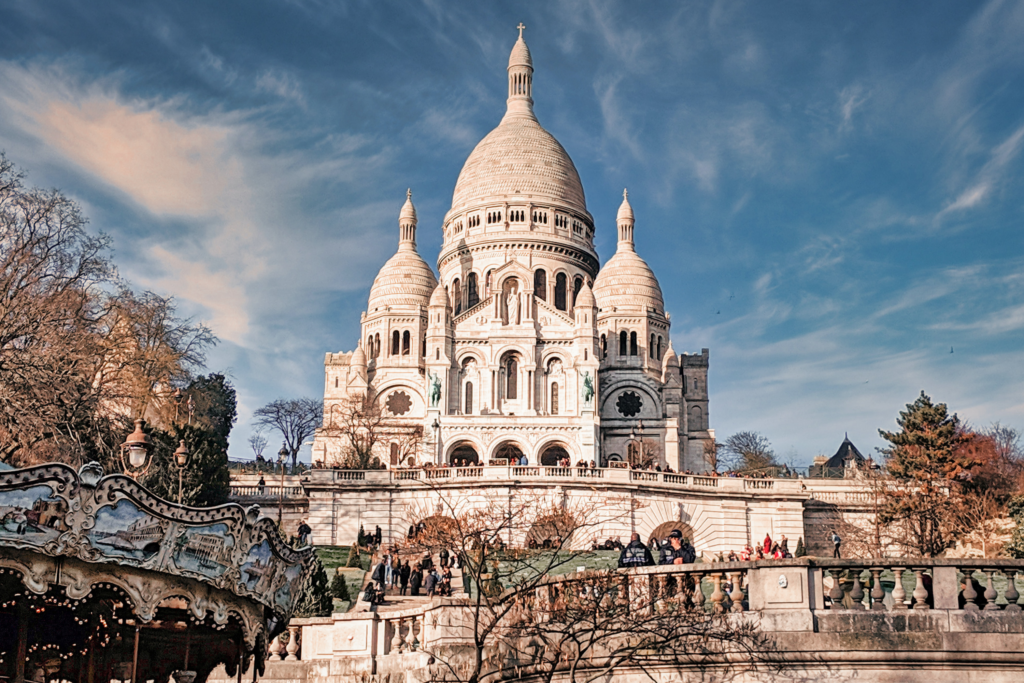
430 583
415 580
377 536
635 554
836 542
403 576
304 532
442 558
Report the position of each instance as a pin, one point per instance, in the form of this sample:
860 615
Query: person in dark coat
377 536
403 577
430 583
635 554
415 579
443 557
378 573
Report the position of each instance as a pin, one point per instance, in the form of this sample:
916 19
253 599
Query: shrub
353 558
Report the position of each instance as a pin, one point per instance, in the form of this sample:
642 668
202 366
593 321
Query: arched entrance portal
662 531
509 452
463 452
551 531
552 454
434 532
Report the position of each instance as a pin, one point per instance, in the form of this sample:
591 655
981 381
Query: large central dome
519 160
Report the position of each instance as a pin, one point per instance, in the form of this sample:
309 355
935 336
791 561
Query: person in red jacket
767 544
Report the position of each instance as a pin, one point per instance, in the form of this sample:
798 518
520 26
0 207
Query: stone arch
507 448
554 530
463 449
436 531
662 531
549 453
696 418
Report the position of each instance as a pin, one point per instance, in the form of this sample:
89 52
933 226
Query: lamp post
282 455
437 441
136 447
181 457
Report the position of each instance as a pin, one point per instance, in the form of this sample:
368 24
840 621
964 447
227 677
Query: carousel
102 581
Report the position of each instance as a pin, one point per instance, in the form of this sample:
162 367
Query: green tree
1015 548
206 480
928 462
800 551
353 557
315 598
339 587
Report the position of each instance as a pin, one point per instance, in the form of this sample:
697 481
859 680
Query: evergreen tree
1015 548
801 551
929 445
315 596
339 587
928 461
353 557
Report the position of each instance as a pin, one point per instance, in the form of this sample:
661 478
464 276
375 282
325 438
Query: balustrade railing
243 487
266 491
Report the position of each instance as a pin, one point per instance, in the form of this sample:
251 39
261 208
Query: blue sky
830 193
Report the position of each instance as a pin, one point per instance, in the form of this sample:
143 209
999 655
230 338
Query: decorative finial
520 27
625 193
408 193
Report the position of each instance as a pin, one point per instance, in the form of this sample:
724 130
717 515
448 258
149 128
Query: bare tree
80 354
370 434
258 442
711 455
296 420
748 451
523 615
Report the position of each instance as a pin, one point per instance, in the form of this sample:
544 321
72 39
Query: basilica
524 349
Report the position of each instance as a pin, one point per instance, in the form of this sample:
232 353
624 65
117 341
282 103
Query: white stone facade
523 345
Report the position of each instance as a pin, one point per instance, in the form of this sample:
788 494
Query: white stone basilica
525 345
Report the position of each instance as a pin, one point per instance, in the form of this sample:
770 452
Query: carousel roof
70 538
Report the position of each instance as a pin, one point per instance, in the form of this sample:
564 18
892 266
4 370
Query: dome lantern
407 223
625 221
405 280
520 79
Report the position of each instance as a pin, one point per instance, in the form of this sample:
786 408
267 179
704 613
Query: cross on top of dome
521 27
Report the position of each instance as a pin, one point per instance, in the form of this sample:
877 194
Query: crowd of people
393 576
766 550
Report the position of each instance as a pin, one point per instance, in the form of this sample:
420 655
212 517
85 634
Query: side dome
626 281
405 279
519 160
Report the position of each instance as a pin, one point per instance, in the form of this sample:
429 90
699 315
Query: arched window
696 418
457 296
651 350
633 350
423 347
554 398
659 347
560 287
540 285
406 342
395 341
472 292
376 345
394 455
368 349
604 346
511 378
623 341
467 407
577 285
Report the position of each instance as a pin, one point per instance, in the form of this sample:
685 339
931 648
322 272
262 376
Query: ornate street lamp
135 451
181 457
437 441
282 455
